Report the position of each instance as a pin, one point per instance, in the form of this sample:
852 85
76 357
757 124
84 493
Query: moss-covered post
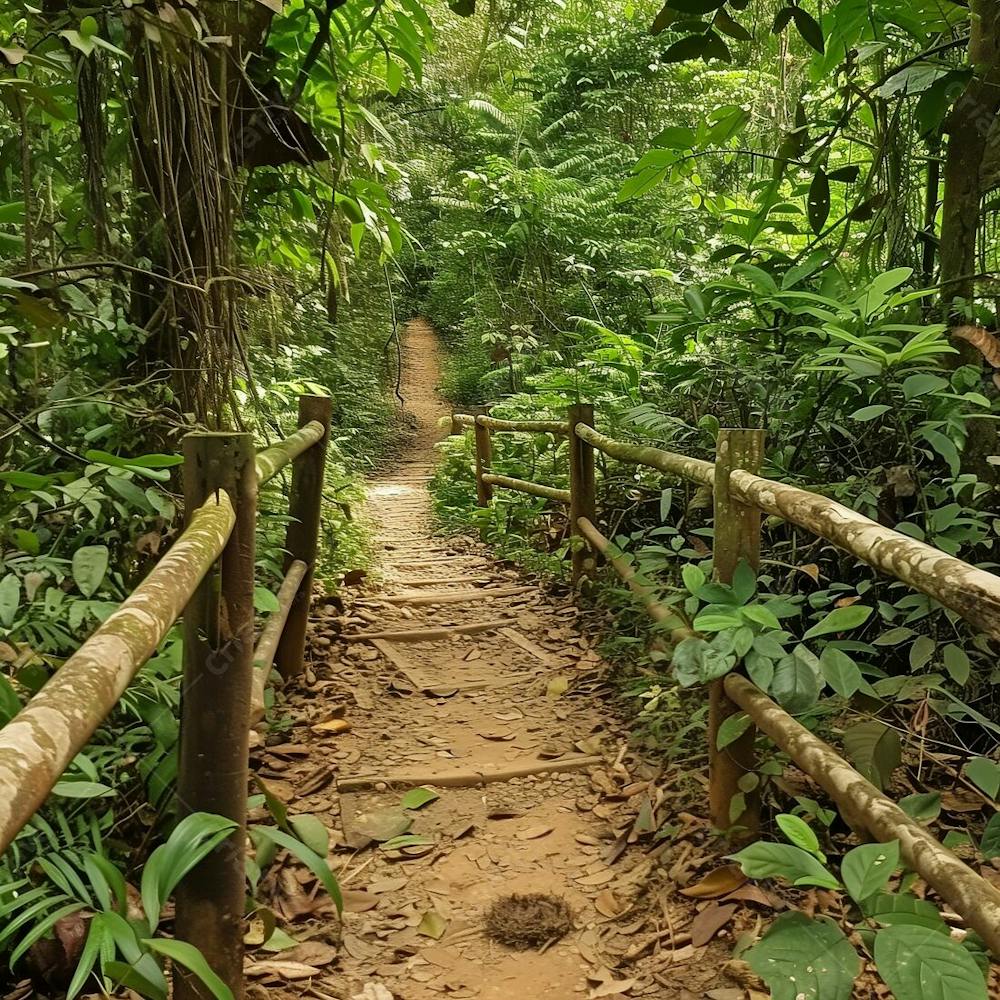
305 507
737 539
484 459
582 501
215 710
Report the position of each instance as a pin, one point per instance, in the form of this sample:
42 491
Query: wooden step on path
457 596
429 634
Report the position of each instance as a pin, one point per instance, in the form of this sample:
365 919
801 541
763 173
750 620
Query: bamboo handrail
523 486
496 424
971 592
270 636
670 462
270 461
39 743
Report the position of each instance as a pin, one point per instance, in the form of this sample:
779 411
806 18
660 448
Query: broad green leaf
870 412
732 728
193 960
90 563
798 832
10 599
956 662
840 620
874 749
889 909
417 798
985 775
763 860
921 384
840 671
924 807
694 578
918 963
70 789
867 869
989 846
818 202
803 959
264 600
312 832
794 685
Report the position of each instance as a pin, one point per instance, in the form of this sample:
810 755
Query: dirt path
520 694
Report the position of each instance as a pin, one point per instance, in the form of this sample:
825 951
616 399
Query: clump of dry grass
528 920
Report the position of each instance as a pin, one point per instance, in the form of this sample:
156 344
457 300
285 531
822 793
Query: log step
429 634
456 596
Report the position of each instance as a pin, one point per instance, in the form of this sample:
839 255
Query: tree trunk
968 128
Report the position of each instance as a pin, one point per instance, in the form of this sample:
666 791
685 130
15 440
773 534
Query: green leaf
193 839
918 963
804 959
808 28
867 869
417 798
732 728
744 582
840 671
795 685
869 412
990 844
308 857
70 789
182 953
691 47
874 749
818 203
693 577
840 620
763 860
921 384
96 936
956 662
90 563
924 807
985 775
312 832
798 832
264 600
889 909
10 599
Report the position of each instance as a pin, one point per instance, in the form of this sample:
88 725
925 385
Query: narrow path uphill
465 678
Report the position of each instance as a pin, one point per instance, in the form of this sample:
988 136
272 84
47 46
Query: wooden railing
740 496
207 576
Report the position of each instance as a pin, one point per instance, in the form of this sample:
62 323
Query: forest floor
511 682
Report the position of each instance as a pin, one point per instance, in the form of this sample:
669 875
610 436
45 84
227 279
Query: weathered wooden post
456 427
484 459
582 502
215 708
737 539
305 506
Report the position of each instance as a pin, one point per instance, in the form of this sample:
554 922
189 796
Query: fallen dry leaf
606 904
557 687
311 953
332 726
533 832
432 925
718 883
612 988
709 922
282 970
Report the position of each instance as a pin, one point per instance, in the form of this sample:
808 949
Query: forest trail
521 694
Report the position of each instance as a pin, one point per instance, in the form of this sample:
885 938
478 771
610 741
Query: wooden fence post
305 505
737 539
215 711
582 501
484 459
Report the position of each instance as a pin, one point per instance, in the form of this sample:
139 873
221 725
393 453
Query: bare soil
526 693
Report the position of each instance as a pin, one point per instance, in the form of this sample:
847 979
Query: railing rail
740 497
207 576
